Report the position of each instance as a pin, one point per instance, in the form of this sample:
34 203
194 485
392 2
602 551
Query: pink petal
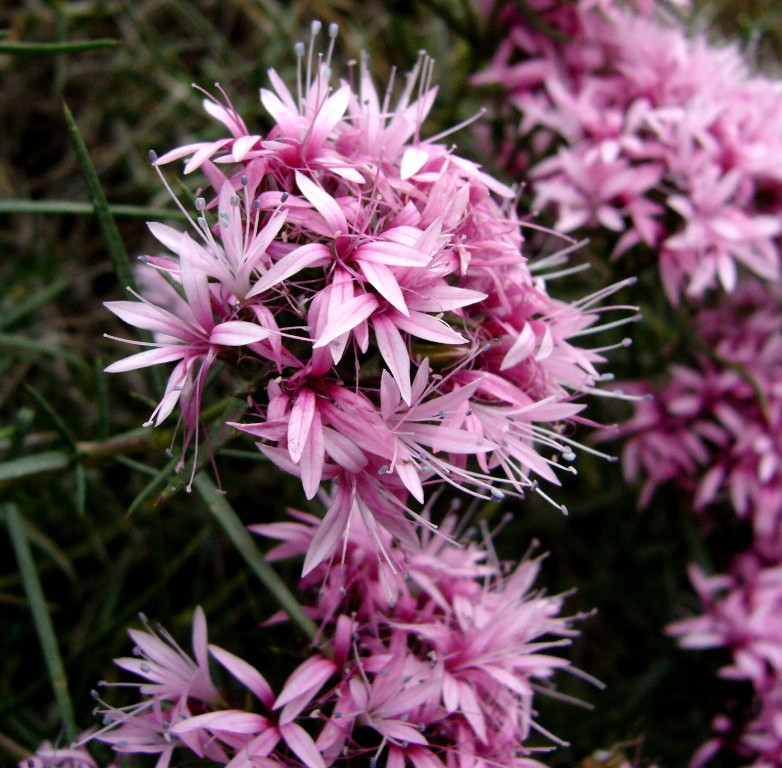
302 745
228 720
235 333
382 279
391 254
331 529
353 312
521 348
151 318
395 354
428 327
324 204
308 677
303 257
148 357
245 673
312 458
301 417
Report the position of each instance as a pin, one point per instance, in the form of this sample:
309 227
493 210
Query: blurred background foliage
86 480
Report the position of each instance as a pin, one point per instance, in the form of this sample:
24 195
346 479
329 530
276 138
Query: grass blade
33 345
116 249
41 618
240 537
74 46
19 309
35 465
74 208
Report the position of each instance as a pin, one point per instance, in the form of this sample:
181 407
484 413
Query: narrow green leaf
46 545
41 618
54 418
37 464
74 46
239 535
233 453
153 485
103 399
81 489
19 431
40 347
20 308
114 245
15 751
74 208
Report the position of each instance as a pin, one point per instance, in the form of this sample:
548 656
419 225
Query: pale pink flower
649 132
372 285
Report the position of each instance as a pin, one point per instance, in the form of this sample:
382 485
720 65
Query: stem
41 618
240 537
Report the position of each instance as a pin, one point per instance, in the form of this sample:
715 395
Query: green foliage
99 524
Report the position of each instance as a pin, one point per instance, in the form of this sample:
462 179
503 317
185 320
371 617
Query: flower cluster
437 667
648 132
715 428
371 287
743 614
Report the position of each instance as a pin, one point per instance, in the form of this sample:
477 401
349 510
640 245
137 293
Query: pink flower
371 284
714 429
636 127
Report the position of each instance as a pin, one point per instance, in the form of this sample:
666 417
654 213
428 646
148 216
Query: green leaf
116 249
74 46
41 618
19 309
54 418
40 347
37 464
153 485
74 208
237 532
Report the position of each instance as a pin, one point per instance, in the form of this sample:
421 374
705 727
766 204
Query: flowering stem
108 227
74 46
12 749
225 514
75 208
41 618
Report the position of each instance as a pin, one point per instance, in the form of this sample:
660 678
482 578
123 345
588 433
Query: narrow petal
235 333
146 358
382 279
246 674
302 414
324 204
302 745
354 312
309 255
395 354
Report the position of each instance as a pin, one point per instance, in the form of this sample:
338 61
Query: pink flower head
443 645
371 284
636 127
715 429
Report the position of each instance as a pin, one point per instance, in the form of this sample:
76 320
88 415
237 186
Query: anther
299 48
333 30
234 200
244 180
315 27
497 494
200 203
153 155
